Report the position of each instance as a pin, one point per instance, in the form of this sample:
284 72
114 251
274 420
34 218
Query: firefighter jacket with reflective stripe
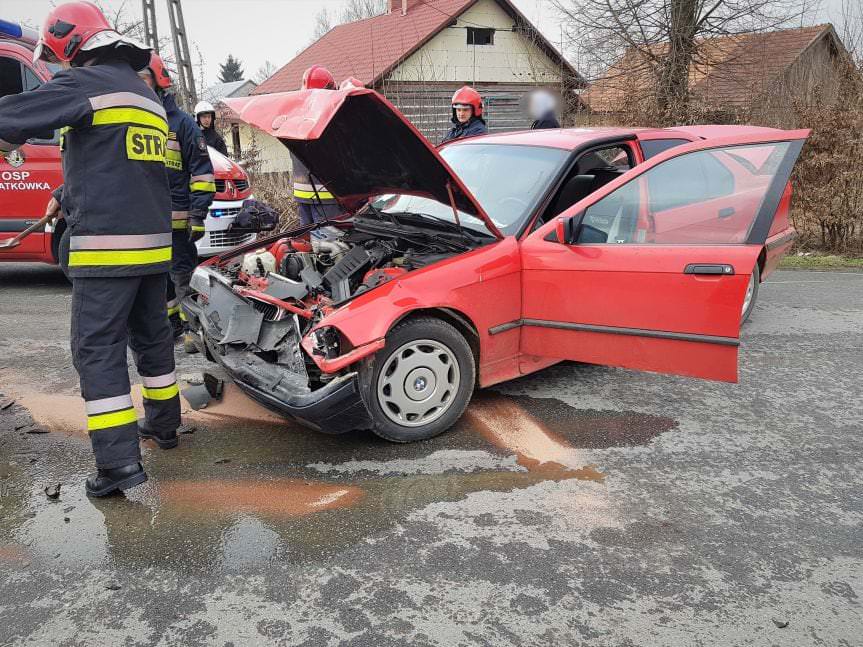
307 188
115 194
190 171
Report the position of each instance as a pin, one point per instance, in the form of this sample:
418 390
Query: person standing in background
541 105
205 116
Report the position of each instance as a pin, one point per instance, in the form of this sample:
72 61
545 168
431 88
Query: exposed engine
308 275
286 287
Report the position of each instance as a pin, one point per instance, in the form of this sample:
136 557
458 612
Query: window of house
480 36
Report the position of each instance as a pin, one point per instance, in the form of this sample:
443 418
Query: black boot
164 441
104 482
176 327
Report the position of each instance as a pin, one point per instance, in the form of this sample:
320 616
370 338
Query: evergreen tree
230 70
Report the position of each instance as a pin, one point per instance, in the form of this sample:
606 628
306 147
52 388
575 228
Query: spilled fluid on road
249 487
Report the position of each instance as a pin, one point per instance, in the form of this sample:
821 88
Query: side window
653 147
703 197
593 170
11 80
701 177
31 81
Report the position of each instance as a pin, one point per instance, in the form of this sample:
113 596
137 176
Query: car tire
420 383
751 295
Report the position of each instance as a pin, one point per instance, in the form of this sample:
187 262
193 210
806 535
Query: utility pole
185 78
151 35
181 51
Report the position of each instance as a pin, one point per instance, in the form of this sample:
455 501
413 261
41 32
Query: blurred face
463 113
206 119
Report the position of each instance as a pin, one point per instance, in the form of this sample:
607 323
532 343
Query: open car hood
358 144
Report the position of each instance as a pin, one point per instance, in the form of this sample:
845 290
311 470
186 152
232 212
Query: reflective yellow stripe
164 393
198 228
179 224
203 186
183 316
174 310
114 116
114 419
174 159
120 257
309 195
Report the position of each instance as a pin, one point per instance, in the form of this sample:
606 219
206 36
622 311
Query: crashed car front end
233 331
262 313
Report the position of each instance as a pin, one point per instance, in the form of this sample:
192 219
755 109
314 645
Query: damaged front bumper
336 407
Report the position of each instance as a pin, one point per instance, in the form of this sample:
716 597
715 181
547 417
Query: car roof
571 138
565 138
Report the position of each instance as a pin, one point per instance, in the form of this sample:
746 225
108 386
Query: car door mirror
566 229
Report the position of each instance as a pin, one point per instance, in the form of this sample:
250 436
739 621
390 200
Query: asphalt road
579 506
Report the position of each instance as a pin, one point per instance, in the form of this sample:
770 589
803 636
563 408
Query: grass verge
820 262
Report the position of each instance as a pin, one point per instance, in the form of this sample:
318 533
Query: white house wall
447 57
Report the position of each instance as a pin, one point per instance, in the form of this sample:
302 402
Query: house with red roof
420 52
755 76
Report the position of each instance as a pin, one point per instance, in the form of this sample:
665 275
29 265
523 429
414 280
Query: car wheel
419 384
751 294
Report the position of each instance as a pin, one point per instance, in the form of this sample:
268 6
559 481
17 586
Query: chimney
402 6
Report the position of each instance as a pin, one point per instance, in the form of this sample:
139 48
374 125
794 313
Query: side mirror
567 229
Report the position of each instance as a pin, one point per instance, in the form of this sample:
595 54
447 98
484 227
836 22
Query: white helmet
204 106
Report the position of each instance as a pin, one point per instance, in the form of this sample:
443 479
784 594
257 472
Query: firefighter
314 201
193 185
117 245
205 115
466 115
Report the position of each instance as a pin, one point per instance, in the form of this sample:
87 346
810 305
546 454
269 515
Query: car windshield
507 180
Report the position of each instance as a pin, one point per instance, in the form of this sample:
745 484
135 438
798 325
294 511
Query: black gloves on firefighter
196 224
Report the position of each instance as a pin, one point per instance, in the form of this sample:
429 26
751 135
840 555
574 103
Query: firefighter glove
196 224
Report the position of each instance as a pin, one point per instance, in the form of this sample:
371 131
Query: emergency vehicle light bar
15 31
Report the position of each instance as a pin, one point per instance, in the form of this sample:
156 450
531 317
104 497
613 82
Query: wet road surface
581 505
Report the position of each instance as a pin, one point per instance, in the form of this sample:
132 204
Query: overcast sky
259 30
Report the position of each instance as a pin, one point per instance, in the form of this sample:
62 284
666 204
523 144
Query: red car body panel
535 301
25 189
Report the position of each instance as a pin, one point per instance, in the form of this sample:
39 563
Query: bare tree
323 23
665 38
264 72
351 11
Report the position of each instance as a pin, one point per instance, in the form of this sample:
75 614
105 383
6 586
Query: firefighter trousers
184 259
309 213
109 314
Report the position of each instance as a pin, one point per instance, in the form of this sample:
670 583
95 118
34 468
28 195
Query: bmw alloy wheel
418 382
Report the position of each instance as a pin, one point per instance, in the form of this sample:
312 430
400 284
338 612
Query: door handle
727 212
709 268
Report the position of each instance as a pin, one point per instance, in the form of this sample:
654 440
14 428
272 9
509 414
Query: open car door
650 272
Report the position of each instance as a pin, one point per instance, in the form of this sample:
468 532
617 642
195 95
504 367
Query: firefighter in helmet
117 245
466 115
193 185
314 201
205 115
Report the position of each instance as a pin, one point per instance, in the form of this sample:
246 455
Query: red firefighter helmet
351 82
317 76
77 27
159 71
467 96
